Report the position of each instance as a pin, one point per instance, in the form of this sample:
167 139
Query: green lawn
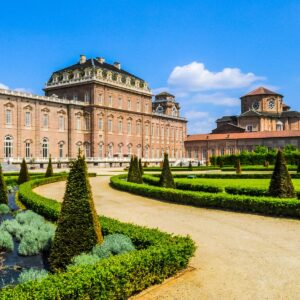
249 183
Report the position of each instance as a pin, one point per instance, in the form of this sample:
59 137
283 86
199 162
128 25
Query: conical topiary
134 175
129 175
238 167
166 178
23 175
49 171
190 166
3 189
298 169
78 228
281 184
141 167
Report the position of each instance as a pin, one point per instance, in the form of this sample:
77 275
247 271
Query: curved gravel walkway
239 256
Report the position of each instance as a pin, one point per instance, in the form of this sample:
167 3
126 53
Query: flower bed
159 256
262 205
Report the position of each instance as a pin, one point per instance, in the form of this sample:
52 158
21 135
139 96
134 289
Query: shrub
166 178
190 168
3 188
49 171
4 209
23 176
32 274
298 168
134 174
238 168
281 184
159 256
6 241
141 167
263 205
84 259
78 228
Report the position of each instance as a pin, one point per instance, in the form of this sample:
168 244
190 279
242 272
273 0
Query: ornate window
128 104
27 149
120 102
87 150
129 146
61 150
279 126
61 123
78 123
87 122
138 105
27 119
45 121
100 123
45 148
8 116
146 108
8 146
129 126
174 111
110 125
101 146
100 99
87 96
110 150
160 109
110 101
120 149
138 128
120 126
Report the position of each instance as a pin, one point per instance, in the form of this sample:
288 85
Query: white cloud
3 86
199 121
195 77
214 99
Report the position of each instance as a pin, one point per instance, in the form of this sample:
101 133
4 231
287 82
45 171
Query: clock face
255 105
271 103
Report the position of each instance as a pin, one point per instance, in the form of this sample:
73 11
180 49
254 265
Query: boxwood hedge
159 256
262 205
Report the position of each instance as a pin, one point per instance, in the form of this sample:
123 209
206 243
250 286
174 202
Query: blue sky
208 53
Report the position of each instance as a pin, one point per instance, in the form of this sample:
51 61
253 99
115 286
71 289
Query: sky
207 53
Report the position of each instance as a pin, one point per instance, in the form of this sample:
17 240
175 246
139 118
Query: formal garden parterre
129 259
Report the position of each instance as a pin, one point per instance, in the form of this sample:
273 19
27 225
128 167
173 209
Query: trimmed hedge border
183 169
262 205
188 184
159 256
230 176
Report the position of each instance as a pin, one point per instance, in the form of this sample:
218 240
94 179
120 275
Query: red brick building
264 120
96 106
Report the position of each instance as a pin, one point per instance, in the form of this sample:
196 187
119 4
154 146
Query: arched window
101 150
8 146
174 111
129 127
138 128
45 148
61 150
120 149
61 123
120 126
110 150
87 150
160 110
27 149
279 126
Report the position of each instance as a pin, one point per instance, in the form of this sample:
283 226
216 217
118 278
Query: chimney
82 59
117 65
100 59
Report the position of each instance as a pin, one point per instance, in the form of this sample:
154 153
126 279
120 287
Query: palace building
264 120
95 106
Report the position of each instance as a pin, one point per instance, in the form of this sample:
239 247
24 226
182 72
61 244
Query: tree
49 171
190 167
261 150
3 189
23 175
298 169
141 167
134 174
238 167
281 184
78 228
166 178
289 148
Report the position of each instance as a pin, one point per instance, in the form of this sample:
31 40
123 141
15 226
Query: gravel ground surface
239 256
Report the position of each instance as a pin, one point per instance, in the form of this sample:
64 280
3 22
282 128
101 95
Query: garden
65 251
274 194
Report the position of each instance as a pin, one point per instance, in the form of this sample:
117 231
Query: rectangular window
27 119
110 101
120 102
129 104
78 123
249 128
100 99
146 108
8 117
87 123
61 123
45 121
110 125
138 105
147 130
75 97
87 97
129 127
100 124
120 126
27 150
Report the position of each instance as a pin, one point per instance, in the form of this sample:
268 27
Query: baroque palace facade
95 106
264 120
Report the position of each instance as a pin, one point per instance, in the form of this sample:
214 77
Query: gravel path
239 256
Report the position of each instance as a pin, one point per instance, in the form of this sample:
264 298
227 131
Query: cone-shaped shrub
190 166
238 167
141 167
3 189
49 171
281 184
134 174
298 169
23 176
166 178
129 176
78 229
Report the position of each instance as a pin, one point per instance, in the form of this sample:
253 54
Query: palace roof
243 135
261 91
